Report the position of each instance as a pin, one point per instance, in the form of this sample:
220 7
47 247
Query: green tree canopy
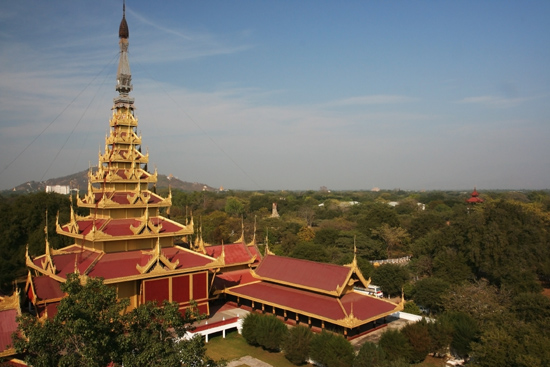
296 345
91 329
331 350
391 278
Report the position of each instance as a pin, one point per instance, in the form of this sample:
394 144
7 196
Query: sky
285 95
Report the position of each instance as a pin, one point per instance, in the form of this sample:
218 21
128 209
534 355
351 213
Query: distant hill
80 181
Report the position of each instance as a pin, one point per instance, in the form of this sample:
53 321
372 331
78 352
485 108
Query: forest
486 263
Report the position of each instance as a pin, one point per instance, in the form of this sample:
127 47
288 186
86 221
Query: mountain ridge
79 181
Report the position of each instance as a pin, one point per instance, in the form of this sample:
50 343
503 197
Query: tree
271 333
234 206
532 308
91 329
429 292
370 355
251 328
84 331
331 350
395 345
310 251
265 331
419 339
151 335
306 234
441 334
391 278
479 300
411 307
465 331
394 238
296 345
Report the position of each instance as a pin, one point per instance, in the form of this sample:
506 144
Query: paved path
249 361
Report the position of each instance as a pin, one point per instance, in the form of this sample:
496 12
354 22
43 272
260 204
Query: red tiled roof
254 251
475 199
233 278
303 273
365 307
8 325
123 264
66 259
235 253
121 197
121 227
319 305
47 288
117 264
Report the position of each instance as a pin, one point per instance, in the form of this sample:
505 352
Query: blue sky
285 95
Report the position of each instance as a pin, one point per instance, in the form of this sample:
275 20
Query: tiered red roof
232 278
322 306
318 290
121 197
234 253
303 273
117 265
122 227
474 198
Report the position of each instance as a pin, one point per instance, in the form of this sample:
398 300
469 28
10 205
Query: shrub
296 345
265 331
271 333
251 325
395 345
369 355
419 339
331 350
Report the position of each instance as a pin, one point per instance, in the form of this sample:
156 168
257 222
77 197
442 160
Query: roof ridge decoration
11 302
158 263
350 320
47 264
267 250
355 268
146 225
253 242
241 239
72 226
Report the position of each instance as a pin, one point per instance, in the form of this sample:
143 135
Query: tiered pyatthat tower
118 192
124 239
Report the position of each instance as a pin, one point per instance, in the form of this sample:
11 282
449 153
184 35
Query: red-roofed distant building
474 198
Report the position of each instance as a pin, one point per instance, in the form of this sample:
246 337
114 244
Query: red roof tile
8 326
66 259
323 306
233 278
47 288
235 253
303 273
365 307
121 227
123 264
121 197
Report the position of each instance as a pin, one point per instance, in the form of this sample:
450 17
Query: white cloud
493 101
372 100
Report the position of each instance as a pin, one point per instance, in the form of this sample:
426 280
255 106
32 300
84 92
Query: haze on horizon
285 95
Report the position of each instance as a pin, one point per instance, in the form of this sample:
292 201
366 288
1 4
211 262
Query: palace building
125 240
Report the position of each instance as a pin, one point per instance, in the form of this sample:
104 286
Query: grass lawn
234 347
